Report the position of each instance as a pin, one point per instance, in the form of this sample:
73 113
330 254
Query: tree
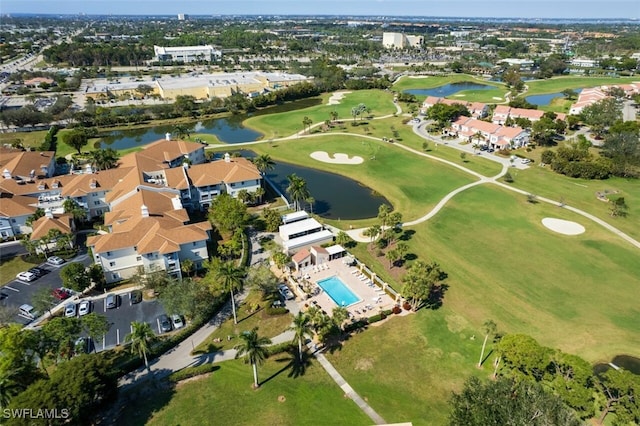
280 259
301 326
619 207
383 214
228 213
43 300
523 356
334 115
264 163
489 327
507 402
229 277
140 338
9 386
621 390
79 388
187 266
372 232
339 315
601 114
76 211
76 139
343 239
75 276
263 280
392 256
95 326
252 348
297 190
188 297
463 156
35 216
272 219
63 332
104 159
420 283
306 123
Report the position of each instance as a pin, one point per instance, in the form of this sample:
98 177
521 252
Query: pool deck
372 298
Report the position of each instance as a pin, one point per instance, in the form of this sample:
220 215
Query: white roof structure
335 249
309 239
294 217
299 227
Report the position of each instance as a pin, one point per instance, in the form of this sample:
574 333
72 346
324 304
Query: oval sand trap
338 158
561 226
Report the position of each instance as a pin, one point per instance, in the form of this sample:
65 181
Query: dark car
135 296
165 323
38 272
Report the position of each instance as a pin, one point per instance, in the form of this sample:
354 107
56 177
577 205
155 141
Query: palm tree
141 337
230 278
339 315
252 347
297 189
186 266
264 163
334 115
306 123
181 131
103 159
9 386
311 200
489 328
301 327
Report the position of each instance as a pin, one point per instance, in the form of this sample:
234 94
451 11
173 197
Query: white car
84 307
177 322
55 260
525 161
26 276
70 310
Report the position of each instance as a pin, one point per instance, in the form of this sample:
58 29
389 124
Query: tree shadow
436 296
296 364
407 235
250 315
410 256
486 357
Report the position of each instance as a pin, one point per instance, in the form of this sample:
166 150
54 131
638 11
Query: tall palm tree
489 328
264 163
301 326
10 386
230 277
252 348
297 189
141 337
306 123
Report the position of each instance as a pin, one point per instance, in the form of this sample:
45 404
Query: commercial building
401 41
186 54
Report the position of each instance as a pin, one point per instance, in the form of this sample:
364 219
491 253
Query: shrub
276 311
396 309
355 325
406 306
278 349
508 178
189 372
376 318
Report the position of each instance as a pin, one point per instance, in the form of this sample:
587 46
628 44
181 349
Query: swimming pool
338 291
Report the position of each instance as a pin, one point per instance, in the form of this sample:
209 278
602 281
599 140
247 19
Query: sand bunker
561 226
336 97
338 158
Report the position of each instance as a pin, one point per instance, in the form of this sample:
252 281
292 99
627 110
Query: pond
448 89
546 98
226 129
629 363
336 197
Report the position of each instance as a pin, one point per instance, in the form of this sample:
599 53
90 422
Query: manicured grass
558 84
269 325
226 397
407 367
11 267
28 139
411 183
581 193
575 293
486 96
287 123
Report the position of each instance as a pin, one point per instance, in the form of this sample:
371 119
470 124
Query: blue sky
477 8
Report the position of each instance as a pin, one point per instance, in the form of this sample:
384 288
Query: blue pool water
338 291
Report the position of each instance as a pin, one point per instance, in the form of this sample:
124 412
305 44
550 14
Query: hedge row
189 372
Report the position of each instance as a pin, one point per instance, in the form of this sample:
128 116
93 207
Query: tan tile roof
16 205
156 155
158 204
80 185
301 255
22 163
236 170
42 226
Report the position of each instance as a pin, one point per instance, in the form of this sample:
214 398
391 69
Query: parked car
176 321
111 301
27 311
525 161
285 292
165 324
84 307
60 293
70 310
38 272
135 297
26 276
55 260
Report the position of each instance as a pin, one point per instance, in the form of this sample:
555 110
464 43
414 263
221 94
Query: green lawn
287 123
575 293
226 397
558 84
487 96
269 325
581 193
28 139
411 183
10 268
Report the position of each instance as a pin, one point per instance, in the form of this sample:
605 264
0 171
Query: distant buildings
401 41
186 54
490 134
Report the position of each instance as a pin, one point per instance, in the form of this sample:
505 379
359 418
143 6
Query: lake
336 197
448 89
227 129
546 98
